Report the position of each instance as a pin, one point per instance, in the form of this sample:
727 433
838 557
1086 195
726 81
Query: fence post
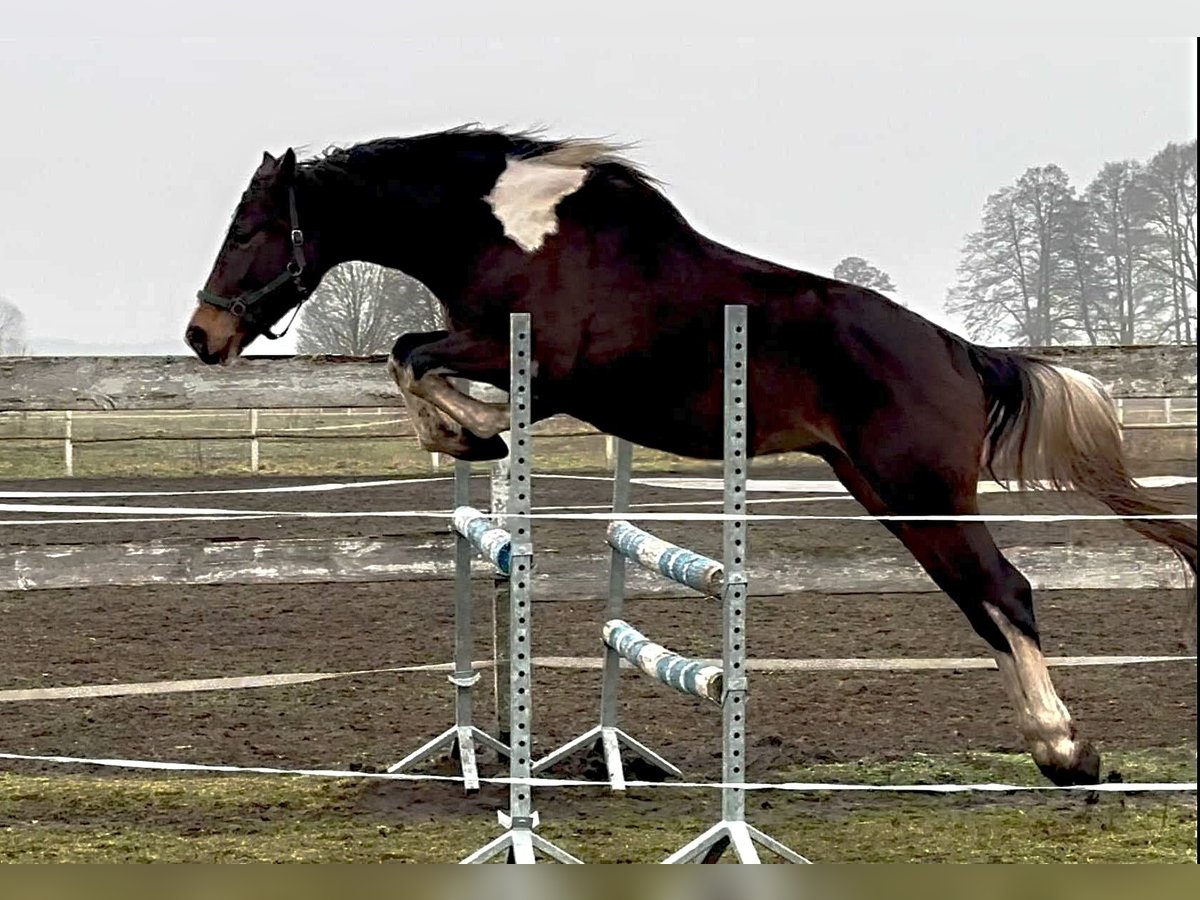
68 449
610 451
254 440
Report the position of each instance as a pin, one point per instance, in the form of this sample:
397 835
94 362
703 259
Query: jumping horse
626 301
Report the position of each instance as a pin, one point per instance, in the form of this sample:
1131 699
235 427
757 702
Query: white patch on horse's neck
526 195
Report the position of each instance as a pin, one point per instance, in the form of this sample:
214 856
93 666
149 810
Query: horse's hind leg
963 560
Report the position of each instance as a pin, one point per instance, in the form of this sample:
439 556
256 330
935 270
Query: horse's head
260 271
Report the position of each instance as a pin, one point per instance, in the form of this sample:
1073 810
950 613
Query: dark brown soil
119 634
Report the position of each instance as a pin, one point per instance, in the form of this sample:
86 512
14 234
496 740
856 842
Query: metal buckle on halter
237 308
297 237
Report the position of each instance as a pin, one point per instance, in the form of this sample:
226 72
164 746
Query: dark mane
466 145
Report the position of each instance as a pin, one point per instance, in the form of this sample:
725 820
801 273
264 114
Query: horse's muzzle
197 338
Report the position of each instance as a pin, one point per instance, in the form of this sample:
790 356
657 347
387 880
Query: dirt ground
128 634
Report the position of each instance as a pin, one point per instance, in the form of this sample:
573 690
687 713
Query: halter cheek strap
243 305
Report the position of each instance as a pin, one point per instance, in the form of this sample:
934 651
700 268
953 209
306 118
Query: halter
242 306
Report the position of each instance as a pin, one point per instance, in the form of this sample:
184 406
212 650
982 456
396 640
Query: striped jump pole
607 737
491 542
473 532
520 840
682 566
688 676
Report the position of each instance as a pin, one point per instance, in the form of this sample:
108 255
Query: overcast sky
125 141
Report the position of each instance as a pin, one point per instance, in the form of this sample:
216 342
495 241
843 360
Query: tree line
1114 263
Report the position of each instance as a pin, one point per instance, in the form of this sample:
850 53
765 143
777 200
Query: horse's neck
359 224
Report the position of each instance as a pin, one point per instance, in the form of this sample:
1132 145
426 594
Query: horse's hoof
473 448
1084 767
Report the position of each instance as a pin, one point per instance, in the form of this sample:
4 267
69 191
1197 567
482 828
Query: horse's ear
287 166
267 166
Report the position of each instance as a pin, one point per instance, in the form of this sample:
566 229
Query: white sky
125 140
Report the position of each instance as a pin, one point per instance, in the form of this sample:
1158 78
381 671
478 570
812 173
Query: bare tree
1168 187
1015 281
12 329
1083 263
1114 265
1130 303
361 309
856 270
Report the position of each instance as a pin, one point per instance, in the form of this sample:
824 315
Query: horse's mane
464 164
372 159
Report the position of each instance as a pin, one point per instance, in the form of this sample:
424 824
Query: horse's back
637 349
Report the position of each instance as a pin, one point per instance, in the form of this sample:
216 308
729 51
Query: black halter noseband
242 306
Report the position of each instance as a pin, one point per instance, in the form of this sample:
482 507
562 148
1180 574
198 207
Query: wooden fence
176 383
143 401
62 385
81 401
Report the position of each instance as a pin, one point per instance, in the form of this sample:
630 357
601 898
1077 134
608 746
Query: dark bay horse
626 302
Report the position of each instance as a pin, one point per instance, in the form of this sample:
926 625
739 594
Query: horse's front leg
436 431
421 362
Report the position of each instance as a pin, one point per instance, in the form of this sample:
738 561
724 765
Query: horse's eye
240 235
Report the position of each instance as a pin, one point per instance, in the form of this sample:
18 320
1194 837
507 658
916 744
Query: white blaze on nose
526 195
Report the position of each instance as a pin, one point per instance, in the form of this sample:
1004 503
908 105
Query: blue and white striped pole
681 565
493 542
688 676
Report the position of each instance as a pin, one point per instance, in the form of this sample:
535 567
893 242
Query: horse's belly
793 439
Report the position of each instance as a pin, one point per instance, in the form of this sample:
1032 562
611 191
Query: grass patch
105 818
1176 764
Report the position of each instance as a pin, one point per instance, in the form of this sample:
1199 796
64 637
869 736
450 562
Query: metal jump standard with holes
726 685
510 551
608 736
520 839
472 530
